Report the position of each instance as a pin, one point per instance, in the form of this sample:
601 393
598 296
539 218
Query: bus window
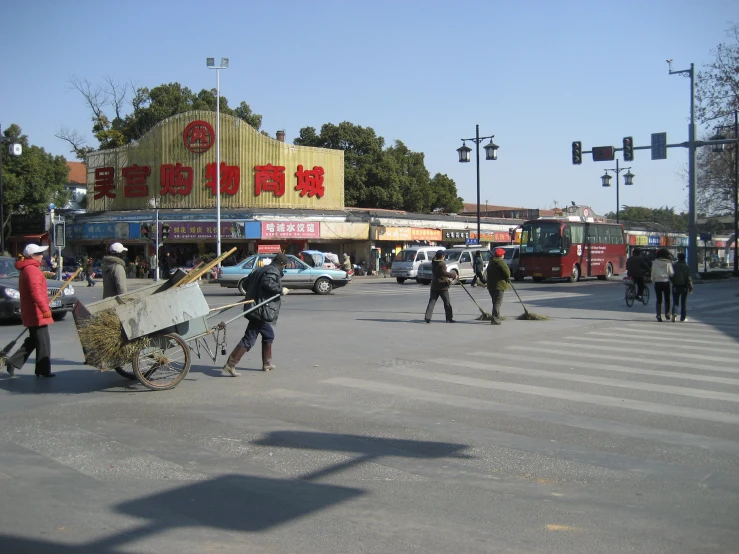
592 234
577 230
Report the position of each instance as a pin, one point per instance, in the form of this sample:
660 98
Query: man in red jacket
35 313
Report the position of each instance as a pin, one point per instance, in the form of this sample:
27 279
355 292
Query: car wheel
400 280
322 286
242 286
425 281
58 316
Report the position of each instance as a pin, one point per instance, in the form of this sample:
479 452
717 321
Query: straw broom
527 315
484 316
105 342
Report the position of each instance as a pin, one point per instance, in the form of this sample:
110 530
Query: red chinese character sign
175 162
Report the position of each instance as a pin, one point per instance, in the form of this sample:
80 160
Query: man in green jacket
682 284
498 275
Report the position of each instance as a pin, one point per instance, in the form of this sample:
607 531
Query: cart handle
231 305
251 309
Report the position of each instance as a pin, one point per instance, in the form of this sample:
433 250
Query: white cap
32 249
118 248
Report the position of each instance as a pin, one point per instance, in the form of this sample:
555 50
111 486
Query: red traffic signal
603 153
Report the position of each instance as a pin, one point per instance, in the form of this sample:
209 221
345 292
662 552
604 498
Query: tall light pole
629 178
692 217
14 149
210 62
154 204
720 148
491 153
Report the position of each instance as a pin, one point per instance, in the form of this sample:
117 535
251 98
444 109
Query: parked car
10 298
512 258
458 260
298 275
406 263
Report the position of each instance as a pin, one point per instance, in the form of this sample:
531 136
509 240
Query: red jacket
34 294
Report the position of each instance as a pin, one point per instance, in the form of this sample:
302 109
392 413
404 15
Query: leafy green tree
146 108
32 180
444 192
665 218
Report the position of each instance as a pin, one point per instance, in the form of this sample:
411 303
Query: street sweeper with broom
498 282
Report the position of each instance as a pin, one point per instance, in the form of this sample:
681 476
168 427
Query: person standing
498 276
478 265
114 271
153 266
166 265
662 272
35 313
347 263
88 272
262 284
441 279
682 284
636 268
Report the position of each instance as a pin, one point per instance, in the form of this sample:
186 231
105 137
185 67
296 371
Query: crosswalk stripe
693 329
572 396
544 362
607 381
667 338
575 353
636 341
535 414
579 345
725 310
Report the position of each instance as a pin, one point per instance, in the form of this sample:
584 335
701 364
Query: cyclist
636 268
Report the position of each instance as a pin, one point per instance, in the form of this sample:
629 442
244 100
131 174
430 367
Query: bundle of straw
105 343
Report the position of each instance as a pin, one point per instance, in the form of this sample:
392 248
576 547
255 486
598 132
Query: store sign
204 230
456 235
103 231
426 234
291 230
199 136
398 234
269 249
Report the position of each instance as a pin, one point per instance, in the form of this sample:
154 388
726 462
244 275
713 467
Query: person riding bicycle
636 268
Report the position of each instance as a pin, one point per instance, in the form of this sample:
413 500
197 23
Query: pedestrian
114 271
153 266
347 263
440 281
89 271
499 275
478 265
166 265
662 272
35 313
262 284
636 268
682 284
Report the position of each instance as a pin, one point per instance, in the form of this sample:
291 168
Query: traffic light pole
156 233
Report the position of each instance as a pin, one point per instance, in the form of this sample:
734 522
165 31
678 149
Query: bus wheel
575 277
609 273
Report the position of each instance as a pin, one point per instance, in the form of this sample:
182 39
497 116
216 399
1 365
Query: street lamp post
210 62
154 204
720 148
491 153
606 179
14 149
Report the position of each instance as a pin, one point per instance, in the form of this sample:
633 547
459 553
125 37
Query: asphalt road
600 430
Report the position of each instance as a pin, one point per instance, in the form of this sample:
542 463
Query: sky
536 74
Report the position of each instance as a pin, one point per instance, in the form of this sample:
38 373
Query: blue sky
536 74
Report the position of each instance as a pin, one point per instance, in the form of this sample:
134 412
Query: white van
512 258
406 262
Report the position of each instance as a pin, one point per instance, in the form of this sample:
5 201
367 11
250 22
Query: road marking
556 527
610 367
631 337
579 345
634 341
620 383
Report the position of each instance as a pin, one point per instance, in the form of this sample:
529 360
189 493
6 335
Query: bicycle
630 295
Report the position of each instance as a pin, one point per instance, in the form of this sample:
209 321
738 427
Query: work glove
285 290
46 315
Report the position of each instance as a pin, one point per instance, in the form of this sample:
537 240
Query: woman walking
662 272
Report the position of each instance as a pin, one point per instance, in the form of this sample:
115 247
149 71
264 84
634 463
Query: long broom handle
519 298
468 294
64 286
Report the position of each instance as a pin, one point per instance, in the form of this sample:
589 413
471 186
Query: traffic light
628 149
145 231
165 231
576 152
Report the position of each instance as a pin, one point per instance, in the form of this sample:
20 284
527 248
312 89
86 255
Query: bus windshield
541 238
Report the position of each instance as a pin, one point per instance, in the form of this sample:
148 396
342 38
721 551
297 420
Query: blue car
298 274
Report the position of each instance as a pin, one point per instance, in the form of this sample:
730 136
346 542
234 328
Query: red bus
571 248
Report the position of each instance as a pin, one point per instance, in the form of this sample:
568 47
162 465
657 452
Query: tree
663 218
146 108
32 180
395 178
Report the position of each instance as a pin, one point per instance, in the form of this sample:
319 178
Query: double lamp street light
629 180
491 153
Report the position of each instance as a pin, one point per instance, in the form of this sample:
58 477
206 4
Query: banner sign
425 234
203 230
291 230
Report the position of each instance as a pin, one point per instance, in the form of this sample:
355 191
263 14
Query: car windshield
7 268
452 255
508 253
541 238
406 256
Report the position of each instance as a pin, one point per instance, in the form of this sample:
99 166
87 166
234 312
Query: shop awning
28 238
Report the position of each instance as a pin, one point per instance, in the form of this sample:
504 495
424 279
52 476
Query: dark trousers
435 294
479 276
680 298
639 286
255 328
662 290
89 279
497 298
38 340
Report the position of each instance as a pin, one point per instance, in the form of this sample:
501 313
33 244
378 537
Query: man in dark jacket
114 271
682 284
636 268
262 284
498 275
478 265
440 287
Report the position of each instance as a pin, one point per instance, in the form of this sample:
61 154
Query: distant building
76 185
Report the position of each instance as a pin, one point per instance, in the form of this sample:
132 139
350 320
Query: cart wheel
163 363
126 371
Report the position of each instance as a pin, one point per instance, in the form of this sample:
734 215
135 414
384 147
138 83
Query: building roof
77 173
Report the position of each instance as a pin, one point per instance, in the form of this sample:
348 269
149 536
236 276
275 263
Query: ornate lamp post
606 181
491 153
